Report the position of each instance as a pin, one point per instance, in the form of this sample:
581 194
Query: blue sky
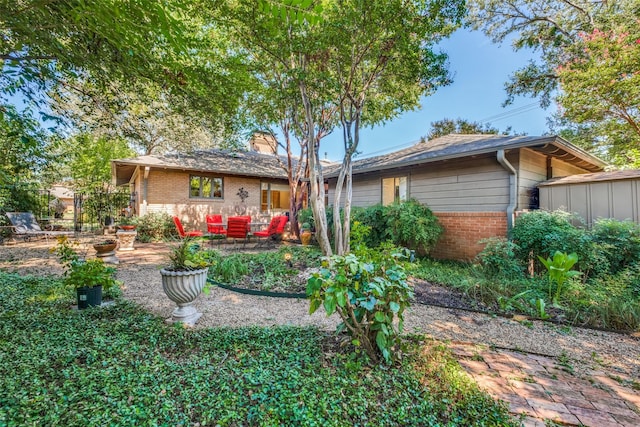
480 68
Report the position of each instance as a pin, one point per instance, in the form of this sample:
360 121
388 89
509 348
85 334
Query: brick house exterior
474 184
169 184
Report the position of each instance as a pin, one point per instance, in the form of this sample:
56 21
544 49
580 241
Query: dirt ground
617 354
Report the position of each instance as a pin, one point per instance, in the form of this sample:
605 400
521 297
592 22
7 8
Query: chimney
262 142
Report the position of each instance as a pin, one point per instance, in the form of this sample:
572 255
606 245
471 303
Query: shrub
156 226
375 218
370 298
498 259
413 225
542 233
619 242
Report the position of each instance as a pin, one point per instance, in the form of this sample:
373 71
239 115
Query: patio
570 375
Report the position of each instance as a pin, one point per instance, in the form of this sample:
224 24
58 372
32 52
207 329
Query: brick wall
168 191
463 231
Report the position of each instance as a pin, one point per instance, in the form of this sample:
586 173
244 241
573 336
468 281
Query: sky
480 69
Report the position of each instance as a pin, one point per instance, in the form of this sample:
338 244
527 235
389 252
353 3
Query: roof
593 177
240 163
457 145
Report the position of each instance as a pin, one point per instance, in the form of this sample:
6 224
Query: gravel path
139 270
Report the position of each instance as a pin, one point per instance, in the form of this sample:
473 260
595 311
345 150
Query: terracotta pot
102 248
183 287
127 227
305 237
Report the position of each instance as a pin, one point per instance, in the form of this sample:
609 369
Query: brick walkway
545 388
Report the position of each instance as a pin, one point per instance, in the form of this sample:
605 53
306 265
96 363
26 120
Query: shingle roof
593 177
457 145
243 163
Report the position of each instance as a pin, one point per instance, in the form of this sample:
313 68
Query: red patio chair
275 230
215 229
182 233
237 228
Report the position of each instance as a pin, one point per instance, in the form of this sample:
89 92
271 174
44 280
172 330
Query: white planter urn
183 287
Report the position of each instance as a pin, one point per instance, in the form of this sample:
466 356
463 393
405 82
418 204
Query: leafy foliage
123 366
266 271
188 255
369 297
541 233
79 272
448 126
498 258
559 272
155 226
412 224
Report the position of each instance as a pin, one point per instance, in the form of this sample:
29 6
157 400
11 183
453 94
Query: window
274 197
205 187
394 190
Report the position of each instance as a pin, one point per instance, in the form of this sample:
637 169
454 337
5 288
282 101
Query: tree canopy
448 126
588 62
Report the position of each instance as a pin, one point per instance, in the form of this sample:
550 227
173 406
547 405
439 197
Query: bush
156 226
498 259
542 233
369 297
412 225
375 218
619 242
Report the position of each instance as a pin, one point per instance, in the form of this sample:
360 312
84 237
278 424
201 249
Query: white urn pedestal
183 287
127 239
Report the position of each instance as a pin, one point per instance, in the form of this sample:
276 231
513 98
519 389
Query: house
206 182
613 194
475 184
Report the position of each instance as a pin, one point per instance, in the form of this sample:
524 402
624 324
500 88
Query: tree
340 68
601 87
378 74
462 126
549 27
573 39
89 159
119 49
143 118
280 40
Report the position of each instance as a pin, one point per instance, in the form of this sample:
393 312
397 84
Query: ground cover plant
120 365
600 287
284 270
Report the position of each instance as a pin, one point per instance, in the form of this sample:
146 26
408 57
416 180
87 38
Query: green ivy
121 365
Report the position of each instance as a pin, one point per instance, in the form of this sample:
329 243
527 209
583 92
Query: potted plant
305 234
127 224
184 278
105 246
88 277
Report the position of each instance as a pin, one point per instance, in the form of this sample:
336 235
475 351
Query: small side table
126 239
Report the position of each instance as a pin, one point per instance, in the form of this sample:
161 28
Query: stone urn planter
183 287
184 279
105 250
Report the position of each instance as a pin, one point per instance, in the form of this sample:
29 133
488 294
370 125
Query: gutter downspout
513 187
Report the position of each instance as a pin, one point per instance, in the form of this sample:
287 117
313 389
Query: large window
274 197
205 187
394 190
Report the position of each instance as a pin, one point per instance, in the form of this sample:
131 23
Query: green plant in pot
127 223
184 279
88 277
305 234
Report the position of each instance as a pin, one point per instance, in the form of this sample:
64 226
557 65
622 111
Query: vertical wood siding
619 199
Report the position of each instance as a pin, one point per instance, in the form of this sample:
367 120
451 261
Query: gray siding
532 170
367 191
473 185
605 199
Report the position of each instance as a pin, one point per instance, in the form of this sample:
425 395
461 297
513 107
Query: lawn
120 365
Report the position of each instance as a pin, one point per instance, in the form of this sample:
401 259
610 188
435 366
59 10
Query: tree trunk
316 179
